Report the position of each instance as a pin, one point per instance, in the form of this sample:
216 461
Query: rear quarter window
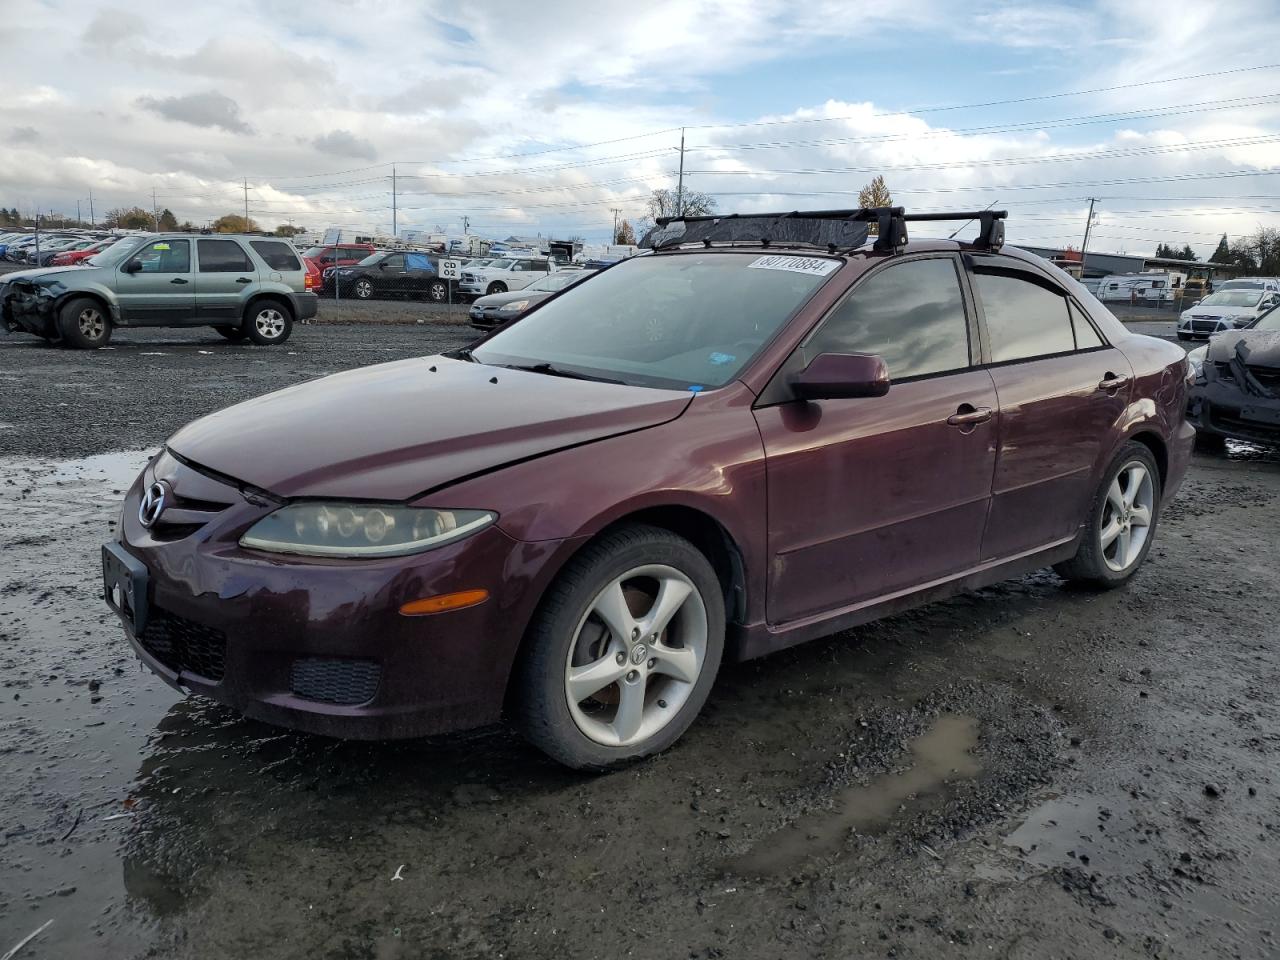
276 254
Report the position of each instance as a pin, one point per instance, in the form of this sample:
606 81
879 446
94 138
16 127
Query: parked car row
1235 304
497 308
22 247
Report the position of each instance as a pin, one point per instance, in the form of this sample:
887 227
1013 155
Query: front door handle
243 280
968 416
1112 382
177 280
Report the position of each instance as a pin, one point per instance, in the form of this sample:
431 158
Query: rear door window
1086 336
911 314
276 254
1024 319
223 256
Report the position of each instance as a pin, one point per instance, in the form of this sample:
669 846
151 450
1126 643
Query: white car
502 275
1225 310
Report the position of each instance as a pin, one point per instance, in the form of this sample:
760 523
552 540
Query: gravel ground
1025 771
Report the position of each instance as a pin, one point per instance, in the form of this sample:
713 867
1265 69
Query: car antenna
969 221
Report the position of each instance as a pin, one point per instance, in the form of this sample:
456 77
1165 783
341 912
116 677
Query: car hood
392 431
511 296
1221 311
41 273
1256 348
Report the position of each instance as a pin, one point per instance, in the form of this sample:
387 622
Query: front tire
623 651
1210 442
497 287
83 324
363 289
438 291
268 323
1122 521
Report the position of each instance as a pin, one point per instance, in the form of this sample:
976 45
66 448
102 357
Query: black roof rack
834 229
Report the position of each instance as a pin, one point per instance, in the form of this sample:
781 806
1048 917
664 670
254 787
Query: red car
71 257
765 431
338 254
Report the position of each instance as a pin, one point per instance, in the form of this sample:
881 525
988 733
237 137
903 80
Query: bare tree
666 203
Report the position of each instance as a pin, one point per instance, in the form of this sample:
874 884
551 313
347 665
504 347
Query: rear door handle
177 280
243 280
1112 382
968 415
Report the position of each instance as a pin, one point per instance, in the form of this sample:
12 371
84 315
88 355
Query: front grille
1268 377
1204 326
329 680
185 646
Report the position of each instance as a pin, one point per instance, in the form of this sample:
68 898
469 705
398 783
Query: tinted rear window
276 254
223 256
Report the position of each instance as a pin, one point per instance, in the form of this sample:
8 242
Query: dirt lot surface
1027 771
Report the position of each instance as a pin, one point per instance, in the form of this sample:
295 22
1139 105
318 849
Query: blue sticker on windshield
696 388
721 358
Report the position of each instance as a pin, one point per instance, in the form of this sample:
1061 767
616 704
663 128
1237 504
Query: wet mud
1025 771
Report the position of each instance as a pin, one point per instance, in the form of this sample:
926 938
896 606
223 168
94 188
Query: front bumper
1202 328
28 307
1221 408
319 645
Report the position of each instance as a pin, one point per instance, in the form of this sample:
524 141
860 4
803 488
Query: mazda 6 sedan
709 452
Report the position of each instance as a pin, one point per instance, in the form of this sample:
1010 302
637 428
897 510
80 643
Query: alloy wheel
269 323
636 655
91 323
364 289
1127 515
438 292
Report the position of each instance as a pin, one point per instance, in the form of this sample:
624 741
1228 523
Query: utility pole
1088 225
680 182
614 237
155 210
466 226
246 204
394 224
91 220
77 212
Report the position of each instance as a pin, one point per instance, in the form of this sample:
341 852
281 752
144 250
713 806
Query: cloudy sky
545 117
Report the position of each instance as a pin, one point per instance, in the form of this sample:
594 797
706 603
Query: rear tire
268 322
234 334
1125 508
83 323
1184 336
634 627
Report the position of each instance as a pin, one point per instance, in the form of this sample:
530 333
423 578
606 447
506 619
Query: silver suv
244 287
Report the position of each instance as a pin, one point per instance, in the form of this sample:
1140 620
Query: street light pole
680 182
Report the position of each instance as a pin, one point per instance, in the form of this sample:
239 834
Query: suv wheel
1122 523
268 322
497 287
438 291
363 289
623 651
83 324
232 333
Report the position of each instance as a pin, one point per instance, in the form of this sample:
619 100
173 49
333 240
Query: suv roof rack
834 229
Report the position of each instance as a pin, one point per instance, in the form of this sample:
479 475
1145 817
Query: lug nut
662 703
652 664
632 675
621 658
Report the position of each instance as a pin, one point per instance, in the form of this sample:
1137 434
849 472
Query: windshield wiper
553 371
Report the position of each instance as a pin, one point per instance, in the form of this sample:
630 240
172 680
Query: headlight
361 529
1196 361
515 305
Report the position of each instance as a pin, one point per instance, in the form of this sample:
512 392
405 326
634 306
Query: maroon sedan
715 450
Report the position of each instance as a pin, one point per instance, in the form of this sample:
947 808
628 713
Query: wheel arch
103 301
273 296
1159 450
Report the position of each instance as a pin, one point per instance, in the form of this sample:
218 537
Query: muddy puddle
940 756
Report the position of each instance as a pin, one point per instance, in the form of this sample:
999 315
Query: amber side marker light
443 602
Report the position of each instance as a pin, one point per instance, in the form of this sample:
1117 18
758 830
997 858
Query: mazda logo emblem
153 503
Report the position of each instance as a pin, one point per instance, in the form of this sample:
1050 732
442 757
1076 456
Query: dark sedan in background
390 274
1237 387
488 312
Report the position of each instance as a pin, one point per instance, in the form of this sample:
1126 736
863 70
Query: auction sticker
818 266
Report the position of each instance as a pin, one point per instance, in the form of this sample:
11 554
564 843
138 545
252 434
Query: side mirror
382 264
831 376
133 266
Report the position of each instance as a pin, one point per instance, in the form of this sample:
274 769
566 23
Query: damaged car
244 287
572 523
1236 392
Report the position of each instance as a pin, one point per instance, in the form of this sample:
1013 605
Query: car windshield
370 260
116 252
685 321
314 252
1232 298
499 264
1269 321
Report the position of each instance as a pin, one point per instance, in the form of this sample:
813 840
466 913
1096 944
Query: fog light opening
443 602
